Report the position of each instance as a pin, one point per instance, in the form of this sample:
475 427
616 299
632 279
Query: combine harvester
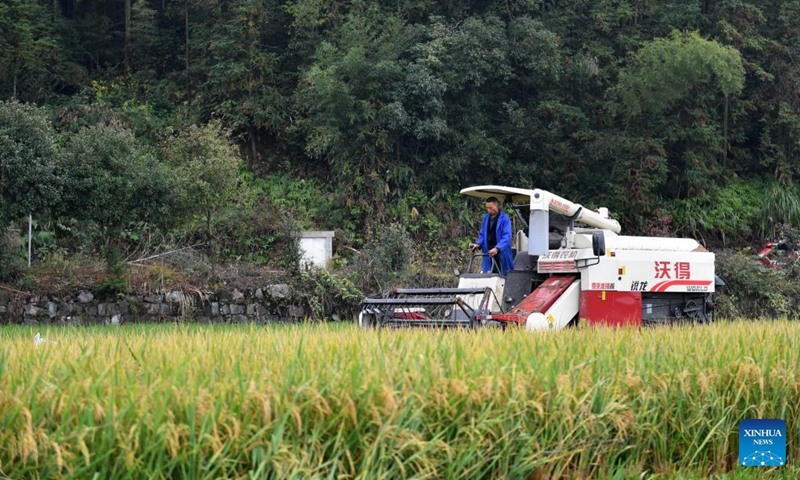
572 266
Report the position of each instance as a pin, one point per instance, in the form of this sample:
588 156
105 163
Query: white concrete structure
316 248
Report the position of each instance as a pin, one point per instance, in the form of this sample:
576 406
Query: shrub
28 184
111 181
311 206
325 294
384 259
754 291
261 233
723 214
11 260
116 283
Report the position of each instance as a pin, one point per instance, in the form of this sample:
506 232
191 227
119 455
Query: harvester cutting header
570 265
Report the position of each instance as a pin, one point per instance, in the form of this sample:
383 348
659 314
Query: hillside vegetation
132 128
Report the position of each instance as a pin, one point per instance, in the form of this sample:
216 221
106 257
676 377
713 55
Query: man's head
492 206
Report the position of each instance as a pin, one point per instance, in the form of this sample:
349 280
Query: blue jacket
503 243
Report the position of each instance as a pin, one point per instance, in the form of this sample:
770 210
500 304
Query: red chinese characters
670 270
682 271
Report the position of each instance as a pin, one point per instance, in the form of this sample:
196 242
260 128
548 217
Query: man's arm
482 235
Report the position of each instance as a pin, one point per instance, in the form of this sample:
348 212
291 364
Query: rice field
330 401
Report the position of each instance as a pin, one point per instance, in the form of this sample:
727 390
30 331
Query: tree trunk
186 26
213 244
725 135
253 152
127 52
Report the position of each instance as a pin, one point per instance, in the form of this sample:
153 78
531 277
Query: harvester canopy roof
516 195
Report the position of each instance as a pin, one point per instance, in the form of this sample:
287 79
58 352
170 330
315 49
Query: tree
241 47
145 46
28 158
25 45
768 35
671 89
207 165
667 71
346 101
127 46
110 180
501 104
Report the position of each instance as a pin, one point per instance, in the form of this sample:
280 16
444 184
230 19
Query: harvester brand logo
762 443
676 270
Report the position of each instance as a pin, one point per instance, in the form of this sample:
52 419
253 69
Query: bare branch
133 262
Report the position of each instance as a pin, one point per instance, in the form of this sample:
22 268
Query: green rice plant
322 401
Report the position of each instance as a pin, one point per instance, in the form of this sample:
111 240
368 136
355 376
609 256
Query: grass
325 401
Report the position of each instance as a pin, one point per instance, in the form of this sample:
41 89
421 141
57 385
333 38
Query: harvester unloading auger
571 266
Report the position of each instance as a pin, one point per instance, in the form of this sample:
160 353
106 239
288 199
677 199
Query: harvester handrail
494 262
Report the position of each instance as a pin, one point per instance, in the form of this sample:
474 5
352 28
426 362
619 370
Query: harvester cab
572 265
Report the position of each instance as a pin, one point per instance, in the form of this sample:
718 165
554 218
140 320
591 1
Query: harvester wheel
691 309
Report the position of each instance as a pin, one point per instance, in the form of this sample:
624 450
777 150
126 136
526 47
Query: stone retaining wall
273 303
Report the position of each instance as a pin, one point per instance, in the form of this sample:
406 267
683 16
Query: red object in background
775 255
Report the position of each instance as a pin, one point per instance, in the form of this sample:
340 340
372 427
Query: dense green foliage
111 181
681 117
206 167
27 163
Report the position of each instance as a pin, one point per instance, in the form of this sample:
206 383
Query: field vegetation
330 401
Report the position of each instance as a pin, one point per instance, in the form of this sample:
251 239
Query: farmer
495 239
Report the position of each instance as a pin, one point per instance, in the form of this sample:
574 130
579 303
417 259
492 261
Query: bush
111 181
112 287
116 282
311 206
262 234
439 218
11 260
724 215
384 259
755 291
28 184
325 294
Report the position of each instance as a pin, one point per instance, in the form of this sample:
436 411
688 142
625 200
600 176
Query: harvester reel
426 307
